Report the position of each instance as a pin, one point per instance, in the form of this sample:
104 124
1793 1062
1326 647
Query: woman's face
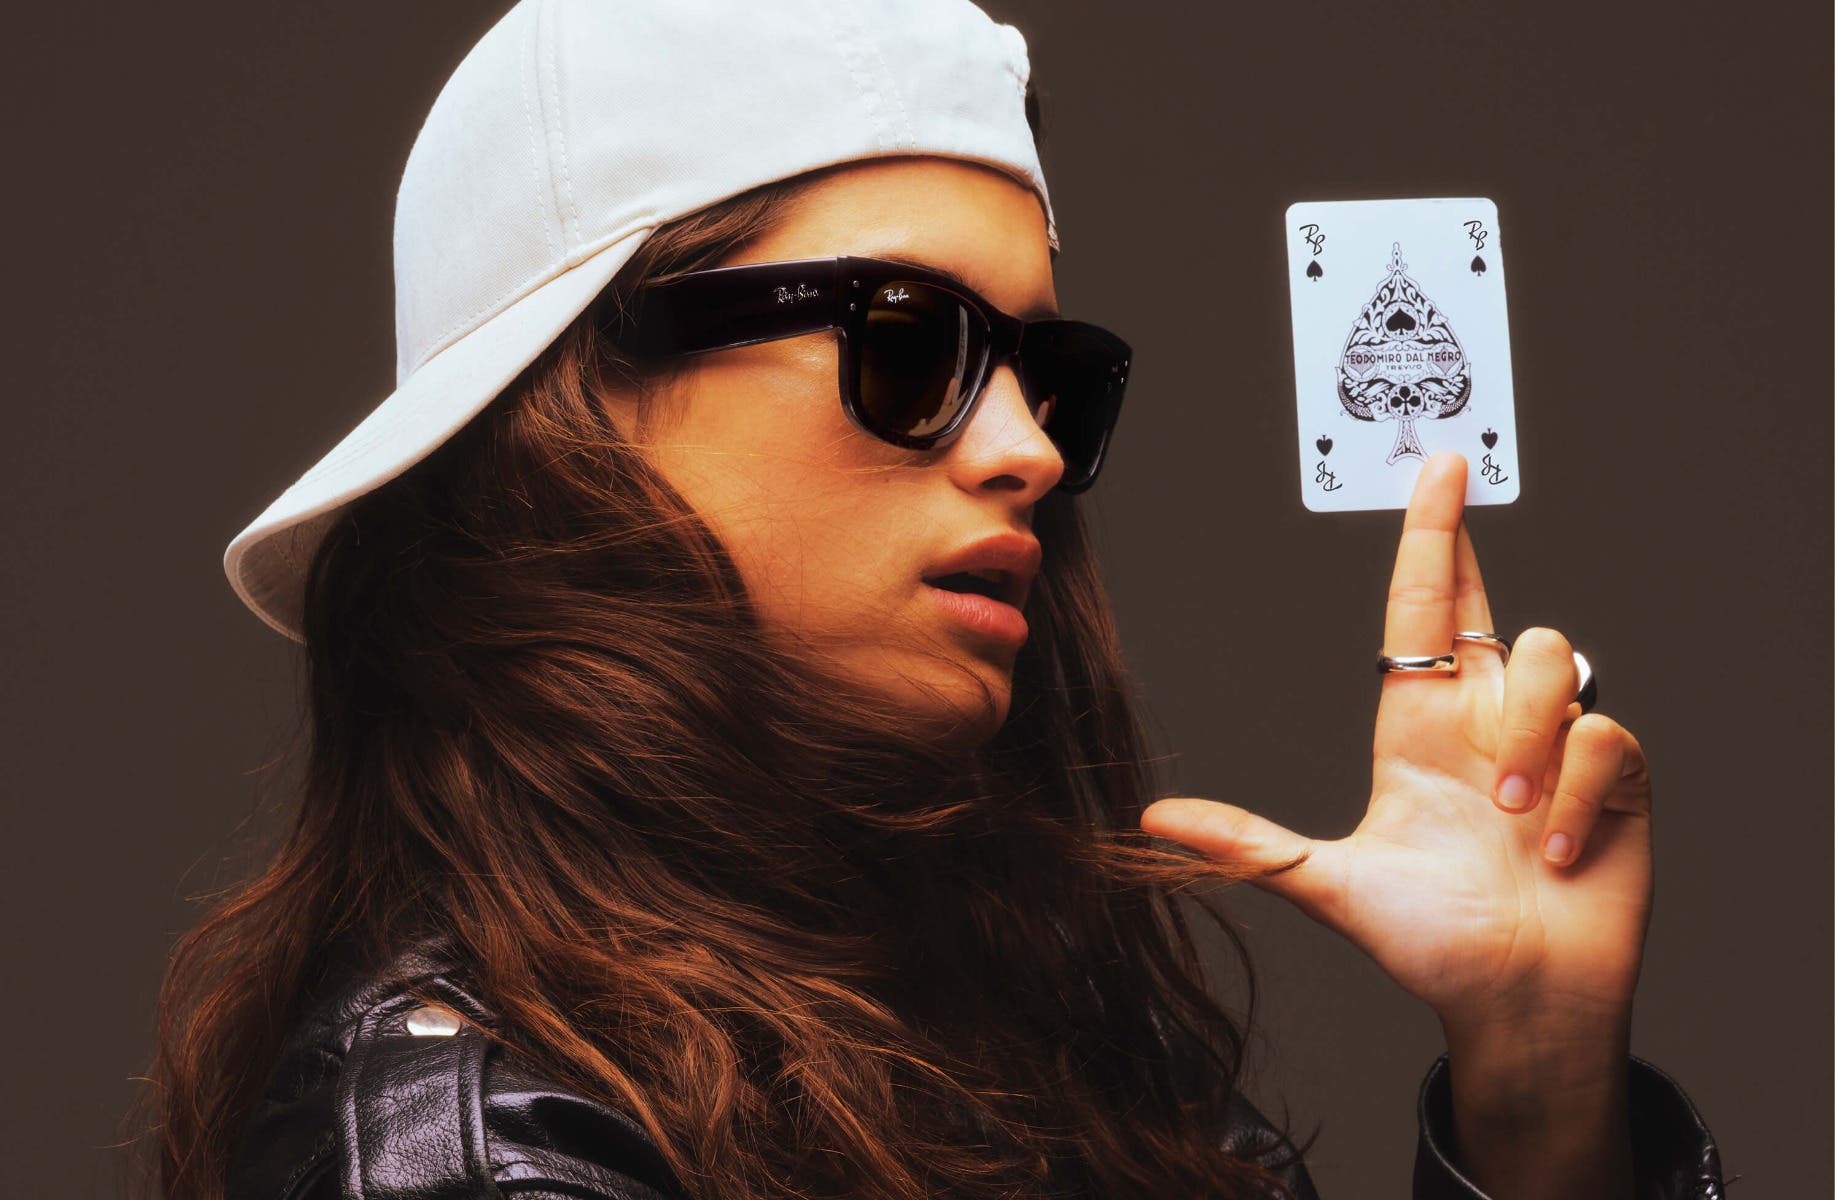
834 530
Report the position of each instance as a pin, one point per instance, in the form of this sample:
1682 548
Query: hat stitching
295 533
513 294
862 83
558 138
535 163
355 446
898 95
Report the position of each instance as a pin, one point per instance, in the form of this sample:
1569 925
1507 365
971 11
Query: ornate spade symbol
1314 270
1402 362
1324 444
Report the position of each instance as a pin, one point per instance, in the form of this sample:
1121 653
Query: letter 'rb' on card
1401 347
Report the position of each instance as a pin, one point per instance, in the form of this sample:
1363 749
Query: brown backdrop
200 304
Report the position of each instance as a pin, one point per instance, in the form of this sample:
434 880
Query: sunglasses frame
725 307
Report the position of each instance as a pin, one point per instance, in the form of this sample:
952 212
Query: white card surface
1401 348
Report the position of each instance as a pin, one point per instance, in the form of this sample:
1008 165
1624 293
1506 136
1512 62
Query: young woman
723 780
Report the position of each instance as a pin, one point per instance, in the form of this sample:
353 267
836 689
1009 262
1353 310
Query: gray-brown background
199 304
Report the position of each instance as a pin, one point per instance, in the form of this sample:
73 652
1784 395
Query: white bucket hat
575 127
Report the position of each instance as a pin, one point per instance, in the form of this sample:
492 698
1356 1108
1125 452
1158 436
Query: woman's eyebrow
1034 313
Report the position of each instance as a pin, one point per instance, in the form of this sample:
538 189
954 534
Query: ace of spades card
1401 348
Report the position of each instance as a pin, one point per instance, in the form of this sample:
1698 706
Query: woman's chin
972 717
955 694
959 709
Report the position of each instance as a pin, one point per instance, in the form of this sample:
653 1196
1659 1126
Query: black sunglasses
917 347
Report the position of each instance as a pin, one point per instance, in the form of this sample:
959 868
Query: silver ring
1489 639
1588 695
1432 664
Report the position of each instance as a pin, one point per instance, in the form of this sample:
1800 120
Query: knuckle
1516 733
1572 801
1417 595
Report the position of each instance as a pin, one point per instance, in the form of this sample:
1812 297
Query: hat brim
267 562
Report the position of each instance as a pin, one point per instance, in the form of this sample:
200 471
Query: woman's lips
984 615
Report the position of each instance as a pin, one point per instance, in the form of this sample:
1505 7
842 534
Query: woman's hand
1444 883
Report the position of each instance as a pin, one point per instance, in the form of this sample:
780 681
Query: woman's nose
1003 437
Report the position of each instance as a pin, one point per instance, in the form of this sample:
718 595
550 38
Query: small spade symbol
1314 270
1489 438
1478 265
1324 444
1399 322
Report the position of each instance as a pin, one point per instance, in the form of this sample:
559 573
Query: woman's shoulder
380 1090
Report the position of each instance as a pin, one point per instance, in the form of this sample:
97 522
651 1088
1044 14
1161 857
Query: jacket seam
348 1107
469 1084
314 1167
320 1157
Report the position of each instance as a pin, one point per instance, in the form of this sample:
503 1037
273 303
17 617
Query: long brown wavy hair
812 952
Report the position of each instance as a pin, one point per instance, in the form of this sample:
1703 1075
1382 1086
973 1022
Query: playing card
1401 348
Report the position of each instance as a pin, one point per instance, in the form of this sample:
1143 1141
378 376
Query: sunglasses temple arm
734 306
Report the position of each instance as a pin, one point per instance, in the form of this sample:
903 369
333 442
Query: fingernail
1557 848
1513 792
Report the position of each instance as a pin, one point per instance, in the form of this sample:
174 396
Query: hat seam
558 138
909 140
536 143
516 292
862 83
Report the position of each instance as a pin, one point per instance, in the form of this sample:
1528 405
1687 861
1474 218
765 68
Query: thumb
1236 835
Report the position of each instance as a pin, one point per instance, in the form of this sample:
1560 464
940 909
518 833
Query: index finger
1420 616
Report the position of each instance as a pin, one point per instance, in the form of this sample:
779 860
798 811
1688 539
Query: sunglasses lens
921 355
1078 370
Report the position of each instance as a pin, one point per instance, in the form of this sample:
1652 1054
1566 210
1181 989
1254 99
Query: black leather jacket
377 1097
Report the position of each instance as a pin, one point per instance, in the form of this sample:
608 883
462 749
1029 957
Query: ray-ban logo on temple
893 297
803 292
